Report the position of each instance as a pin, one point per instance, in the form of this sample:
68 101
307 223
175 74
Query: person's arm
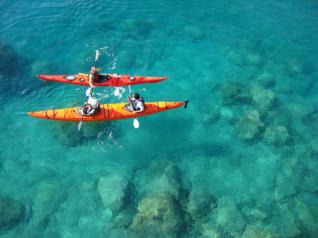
90 80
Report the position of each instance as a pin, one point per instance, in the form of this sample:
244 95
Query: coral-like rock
284 188
214 114
200 204
254 214
307 208
11 213
209 230
194 32
299 108
136 27
226 114
234 92
46 201
249 126
12 67
157 216
284 221
262 98
314 145
124 219
164 179
236 58
9 59
228 218
276 135
310 182
266 80
126 59
112 190
294 67
253 59
255 232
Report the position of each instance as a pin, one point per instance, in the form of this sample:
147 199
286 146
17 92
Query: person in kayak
93 75
135 103
91 106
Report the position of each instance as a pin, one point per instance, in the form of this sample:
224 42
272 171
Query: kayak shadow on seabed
69 135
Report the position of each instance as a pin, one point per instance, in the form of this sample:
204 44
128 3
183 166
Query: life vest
138 104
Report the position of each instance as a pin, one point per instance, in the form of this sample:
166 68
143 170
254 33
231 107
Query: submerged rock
255 214
284 221
137 28
161 211
209 230
294 67
158 216
250 126
160 177
11 70
236 57
255 232
266 80
276 135
211 113
299 108
9 61
124 218
200 205
46 202
112 190
314 146
253 59
11 213
228 218
226 114
126 59
284 188
307 209
194 32
262 98
68 134
234 92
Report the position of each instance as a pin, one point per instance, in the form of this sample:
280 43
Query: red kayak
102 79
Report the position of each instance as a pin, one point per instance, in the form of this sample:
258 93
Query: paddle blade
79 125
89 92
136 123
97 54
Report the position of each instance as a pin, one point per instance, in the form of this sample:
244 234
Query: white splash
118 92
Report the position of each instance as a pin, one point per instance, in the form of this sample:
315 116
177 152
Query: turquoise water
241 161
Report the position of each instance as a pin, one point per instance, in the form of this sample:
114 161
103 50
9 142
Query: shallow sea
240 161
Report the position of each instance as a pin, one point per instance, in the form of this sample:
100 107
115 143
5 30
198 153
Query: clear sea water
241 161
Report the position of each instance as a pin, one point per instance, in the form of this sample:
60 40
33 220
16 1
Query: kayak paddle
89 90
136 122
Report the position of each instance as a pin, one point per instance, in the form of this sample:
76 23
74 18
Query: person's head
135 95
93 69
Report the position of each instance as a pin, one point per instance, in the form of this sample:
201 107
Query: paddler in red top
92 76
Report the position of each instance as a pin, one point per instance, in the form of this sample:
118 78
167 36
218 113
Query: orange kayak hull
107 112
102 80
